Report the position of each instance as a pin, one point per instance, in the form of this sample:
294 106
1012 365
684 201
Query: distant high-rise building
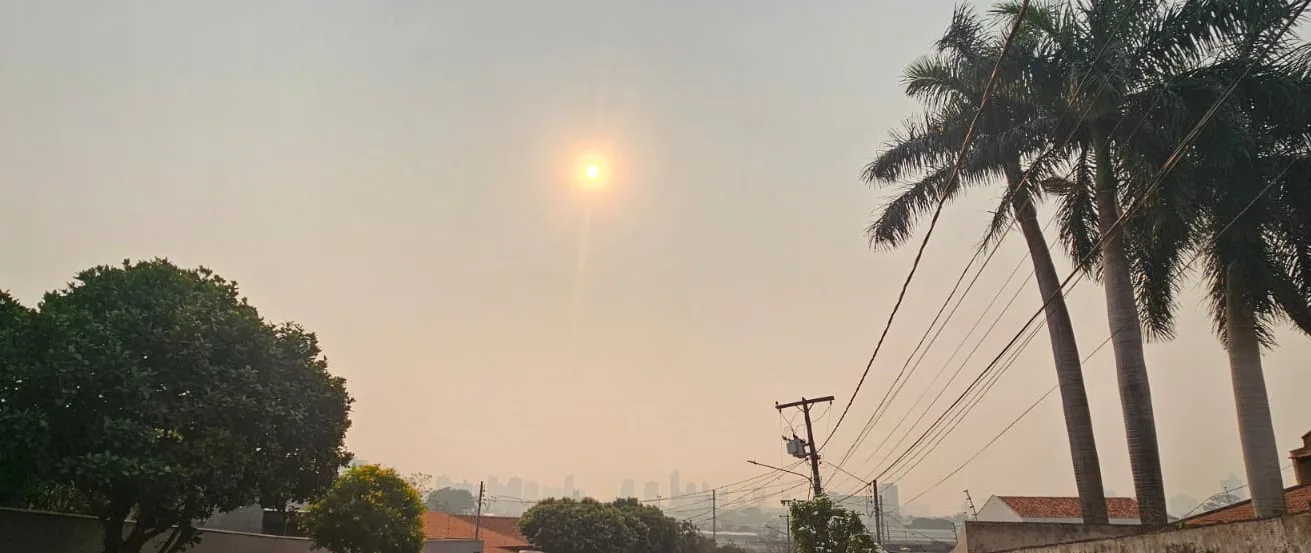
627 489
690 489
494 486
569 486
705 487
554 492
442 481
530 491
891 499
514 488
674 485
651 491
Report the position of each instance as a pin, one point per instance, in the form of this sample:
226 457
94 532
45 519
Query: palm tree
1243 196
951 81
1132 52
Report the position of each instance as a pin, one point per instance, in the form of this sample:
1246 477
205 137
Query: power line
1023 179
1099 347
937 213
1168 166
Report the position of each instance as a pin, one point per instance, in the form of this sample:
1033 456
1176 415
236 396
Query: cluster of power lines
903 454
900 458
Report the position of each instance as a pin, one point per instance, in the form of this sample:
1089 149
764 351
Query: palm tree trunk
1256 432
1069 373
1127 341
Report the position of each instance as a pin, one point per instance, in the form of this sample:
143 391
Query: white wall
996 510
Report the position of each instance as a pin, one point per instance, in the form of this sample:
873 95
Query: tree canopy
455 501
369 509
624 526
820 526
165 397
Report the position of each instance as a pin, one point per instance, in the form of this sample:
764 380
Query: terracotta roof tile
508 526
1067 507
439 526
1298 499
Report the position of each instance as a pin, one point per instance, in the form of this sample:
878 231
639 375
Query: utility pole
714 517
787 521
970 501
878 513
478 518
813 454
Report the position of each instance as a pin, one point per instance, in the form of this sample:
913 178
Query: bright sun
592 173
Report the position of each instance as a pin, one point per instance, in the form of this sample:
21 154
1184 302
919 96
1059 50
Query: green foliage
574 526
164 396
22 428
368 510
451 500
622 526
655 532
819 526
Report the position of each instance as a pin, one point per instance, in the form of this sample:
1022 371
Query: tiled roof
442 526
508 526
1067 507
1298 499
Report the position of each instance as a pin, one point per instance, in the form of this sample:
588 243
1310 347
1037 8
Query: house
1298 497
1065 510
443 526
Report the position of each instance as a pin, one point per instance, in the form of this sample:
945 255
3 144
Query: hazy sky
396 176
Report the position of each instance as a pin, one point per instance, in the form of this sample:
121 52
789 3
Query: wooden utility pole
478 518
878 513
787 521
813 453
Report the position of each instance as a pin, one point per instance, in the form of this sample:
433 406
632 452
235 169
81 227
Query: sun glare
592 172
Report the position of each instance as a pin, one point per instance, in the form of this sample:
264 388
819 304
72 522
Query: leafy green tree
578 526
820 526
21 426
655 532
167 398
451 500
368 510
951 83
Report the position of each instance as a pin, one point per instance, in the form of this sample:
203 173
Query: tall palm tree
1242 198
1132 51
951 82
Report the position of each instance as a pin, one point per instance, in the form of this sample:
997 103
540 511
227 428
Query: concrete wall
246 519
1132 521
1281 535
36 532
990 537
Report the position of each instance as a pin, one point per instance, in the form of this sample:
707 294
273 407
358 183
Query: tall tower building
628 489
891 499
674 485
569 486
651 491
530 491
514 488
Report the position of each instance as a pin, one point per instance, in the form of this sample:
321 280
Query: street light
771 467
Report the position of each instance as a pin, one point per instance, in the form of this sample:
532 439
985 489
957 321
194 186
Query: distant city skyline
517 488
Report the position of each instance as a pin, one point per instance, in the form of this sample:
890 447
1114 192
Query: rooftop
1068 507
443 526
1298 499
